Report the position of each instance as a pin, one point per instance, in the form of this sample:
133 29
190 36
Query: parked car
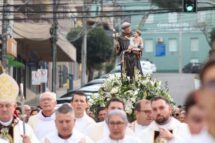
89 90
192 67
93 86
147 68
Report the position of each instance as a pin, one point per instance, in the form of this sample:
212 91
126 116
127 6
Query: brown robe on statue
130 59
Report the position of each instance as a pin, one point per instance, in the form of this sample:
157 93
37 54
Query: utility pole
180 49
53 32
4 36
84 47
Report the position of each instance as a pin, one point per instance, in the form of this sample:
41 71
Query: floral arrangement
142 87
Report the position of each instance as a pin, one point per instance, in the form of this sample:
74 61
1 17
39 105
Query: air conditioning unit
160 39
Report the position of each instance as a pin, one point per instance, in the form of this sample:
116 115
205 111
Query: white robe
180 131
82 123
42 125
18 131
100 130
126 139
76 137
203 137
136 127
3 141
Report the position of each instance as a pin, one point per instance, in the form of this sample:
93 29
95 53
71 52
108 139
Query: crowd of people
157 121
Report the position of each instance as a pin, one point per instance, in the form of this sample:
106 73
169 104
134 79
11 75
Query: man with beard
165 128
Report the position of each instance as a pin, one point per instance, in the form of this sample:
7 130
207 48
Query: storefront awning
34 42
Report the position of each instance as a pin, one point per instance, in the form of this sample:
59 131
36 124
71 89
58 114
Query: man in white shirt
43 122
207 101
100 130
79 104
143 113
165 128
117 123
65 121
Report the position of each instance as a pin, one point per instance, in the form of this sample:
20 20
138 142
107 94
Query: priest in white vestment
117 123
165 128
100 130
79 104
143 114
65 120
11 127
44 122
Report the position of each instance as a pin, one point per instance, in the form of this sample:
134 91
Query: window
201 16
173 47
194 45
148 46
150 19
172 17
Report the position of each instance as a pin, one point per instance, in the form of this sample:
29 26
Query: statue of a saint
129 55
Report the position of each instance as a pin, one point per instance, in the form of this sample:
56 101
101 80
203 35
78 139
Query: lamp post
84 48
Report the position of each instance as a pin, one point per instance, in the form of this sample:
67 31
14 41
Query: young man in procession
79 105
65 121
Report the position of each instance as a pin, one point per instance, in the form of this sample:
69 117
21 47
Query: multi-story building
31 30
172 40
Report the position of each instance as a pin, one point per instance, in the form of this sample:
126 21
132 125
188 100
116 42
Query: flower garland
142 87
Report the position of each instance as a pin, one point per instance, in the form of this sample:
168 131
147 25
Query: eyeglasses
197 119
209 84
146 111
116 123
5 105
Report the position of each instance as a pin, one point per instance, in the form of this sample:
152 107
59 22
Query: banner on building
39 76
12 47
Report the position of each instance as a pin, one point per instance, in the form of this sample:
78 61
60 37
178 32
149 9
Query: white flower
129 93
114 90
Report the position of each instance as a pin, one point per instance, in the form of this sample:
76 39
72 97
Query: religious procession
155 120
107 71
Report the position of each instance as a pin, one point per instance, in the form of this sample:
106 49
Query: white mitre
9 88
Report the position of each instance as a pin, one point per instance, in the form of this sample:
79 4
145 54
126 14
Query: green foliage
168 4
14 63
99 46
77 43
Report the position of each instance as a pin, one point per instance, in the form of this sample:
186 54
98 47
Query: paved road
179 84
